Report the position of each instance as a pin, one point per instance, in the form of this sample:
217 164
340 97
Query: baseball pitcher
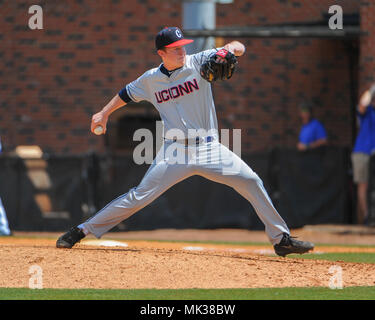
180 89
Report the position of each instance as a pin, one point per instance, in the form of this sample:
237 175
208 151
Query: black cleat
290 245
69 239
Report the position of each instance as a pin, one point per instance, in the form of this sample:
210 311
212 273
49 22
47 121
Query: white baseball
98 130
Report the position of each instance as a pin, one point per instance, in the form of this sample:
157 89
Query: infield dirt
133 263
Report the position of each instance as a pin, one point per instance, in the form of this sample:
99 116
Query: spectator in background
4 226
312 134
363 147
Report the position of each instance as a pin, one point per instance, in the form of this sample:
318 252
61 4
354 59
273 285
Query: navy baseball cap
170 37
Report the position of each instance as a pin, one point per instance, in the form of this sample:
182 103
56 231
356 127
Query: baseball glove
219 66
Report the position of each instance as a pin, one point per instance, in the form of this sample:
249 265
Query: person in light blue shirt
313 133
363 148
4 226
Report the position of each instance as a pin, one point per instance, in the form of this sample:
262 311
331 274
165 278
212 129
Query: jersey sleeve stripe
124 95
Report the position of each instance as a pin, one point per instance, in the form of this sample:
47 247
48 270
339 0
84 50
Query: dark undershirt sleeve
124 95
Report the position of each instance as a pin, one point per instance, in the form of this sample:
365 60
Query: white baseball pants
176 162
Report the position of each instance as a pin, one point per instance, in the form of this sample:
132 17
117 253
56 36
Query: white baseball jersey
184 100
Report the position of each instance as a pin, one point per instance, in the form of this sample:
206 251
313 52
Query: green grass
361 257
350 293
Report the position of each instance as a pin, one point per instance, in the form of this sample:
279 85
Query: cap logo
178 33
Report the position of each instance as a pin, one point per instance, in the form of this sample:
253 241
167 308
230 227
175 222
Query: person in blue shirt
4 226
312 134
363 147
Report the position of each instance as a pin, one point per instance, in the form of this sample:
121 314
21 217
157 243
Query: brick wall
53 80
367 57
277 74
278 11
275 77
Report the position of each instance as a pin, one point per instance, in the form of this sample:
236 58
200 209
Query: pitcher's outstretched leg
159 178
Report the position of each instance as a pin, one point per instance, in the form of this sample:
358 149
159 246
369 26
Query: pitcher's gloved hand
219 66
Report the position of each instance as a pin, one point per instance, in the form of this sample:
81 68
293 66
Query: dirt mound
166 265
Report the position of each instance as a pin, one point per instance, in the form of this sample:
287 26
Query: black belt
196 140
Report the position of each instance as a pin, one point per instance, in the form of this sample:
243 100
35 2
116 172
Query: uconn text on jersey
176 91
